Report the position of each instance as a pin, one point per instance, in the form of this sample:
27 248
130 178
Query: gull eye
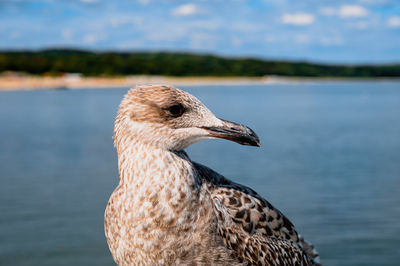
176 110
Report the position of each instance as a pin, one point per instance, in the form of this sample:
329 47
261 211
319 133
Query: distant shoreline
182 64
13 82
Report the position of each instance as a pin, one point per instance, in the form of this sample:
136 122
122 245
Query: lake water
330 161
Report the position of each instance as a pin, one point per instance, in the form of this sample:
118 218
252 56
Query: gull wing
256 232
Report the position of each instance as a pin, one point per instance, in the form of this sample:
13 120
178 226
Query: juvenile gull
169 210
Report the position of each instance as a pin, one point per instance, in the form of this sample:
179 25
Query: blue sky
353 31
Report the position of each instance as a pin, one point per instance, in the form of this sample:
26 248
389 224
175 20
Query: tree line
56 61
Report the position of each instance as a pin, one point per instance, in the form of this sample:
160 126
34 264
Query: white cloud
185 10
352 11
298 19
345 11
394 22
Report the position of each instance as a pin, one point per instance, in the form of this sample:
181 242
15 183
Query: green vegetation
174 64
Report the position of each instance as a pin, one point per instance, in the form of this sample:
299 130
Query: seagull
170 210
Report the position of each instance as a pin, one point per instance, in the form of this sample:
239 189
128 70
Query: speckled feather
258 233
168 210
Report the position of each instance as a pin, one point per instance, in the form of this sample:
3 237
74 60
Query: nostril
235 128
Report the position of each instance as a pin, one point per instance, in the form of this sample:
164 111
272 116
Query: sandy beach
13 82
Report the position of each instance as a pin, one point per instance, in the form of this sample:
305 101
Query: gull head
168 118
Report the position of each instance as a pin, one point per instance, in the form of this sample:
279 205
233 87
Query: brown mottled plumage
169 210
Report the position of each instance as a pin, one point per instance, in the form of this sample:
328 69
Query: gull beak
234 132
